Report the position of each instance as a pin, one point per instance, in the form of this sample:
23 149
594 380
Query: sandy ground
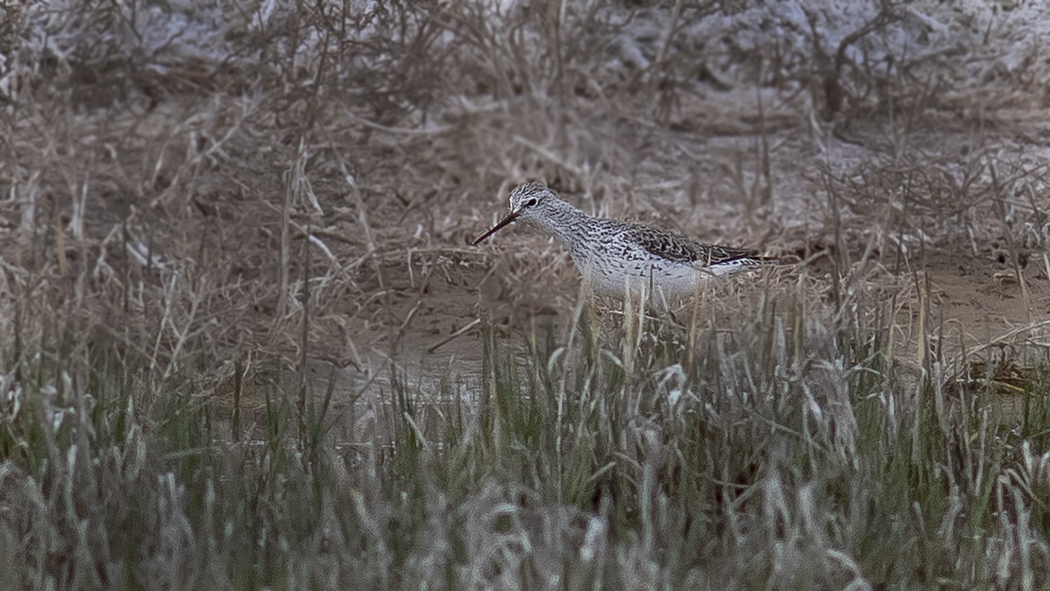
412 306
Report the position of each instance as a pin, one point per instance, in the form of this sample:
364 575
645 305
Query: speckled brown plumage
676 247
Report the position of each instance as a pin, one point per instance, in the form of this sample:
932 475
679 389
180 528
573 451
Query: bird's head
530 202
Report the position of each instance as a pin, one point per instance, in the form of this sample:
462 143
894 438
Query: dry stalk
196 158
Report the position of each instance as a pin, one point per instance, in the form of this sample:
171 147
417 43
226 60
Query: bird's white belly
662 280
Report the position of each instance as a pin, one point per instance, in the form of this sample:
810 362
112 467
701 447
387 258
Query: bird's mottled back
675 247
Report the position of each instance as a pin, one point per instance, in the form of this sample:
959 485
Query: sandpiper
615 255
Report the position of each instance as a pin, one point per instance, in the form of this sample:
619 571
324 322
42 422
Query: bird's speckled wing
678 248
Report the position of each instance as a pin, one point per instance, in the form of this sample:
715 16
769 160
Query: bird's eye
530 202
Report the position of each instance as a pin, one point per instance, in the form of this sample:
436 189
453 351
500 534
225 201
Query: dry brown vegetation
259 217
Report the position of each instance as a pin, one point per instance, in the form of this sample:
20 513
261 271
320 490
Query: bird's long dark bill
510 218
